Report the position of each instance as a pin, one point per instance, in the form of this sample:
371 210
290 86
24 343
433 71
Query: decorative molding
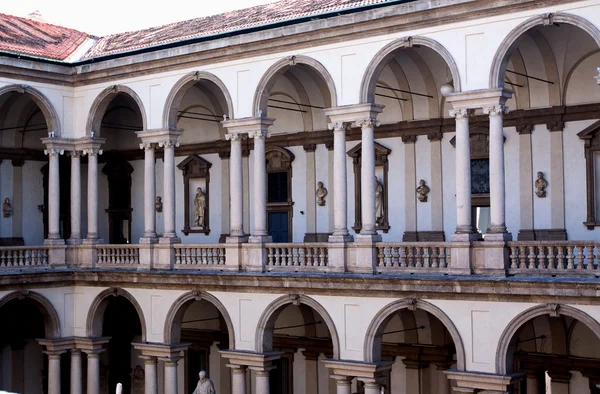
368 123
460 113
496 110
524 129
409 139
434 136
310 147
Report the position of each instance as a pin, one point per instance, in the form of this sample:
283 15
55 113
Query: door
278 226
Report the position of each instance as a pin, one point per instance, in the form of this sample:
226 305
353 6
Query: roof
44 40
29 37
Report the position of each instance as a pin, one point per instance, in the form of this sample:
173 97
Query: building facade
390 197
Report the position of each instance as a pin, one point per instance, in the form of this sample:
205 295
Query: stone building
307 197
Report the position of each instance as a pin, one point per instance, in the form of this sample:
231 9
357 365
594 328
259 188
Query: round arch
373 338
266 323
180 89
175 315
504 359
101 103
51 320
378 63
261 96
95 317
50 114
510 42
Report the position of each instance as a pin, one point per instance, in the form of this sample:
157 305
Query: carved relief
196 182
540 185
321 194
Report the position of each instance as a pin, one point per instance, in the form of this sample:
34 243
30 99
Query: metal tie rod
287 109
404 91
301 105
530 77
392 97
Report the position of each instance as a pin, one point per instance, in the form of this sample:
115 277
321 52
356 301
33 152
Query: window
277 187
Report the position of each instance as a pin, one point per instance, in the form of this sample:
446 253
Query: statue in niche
199 207
138 380
540 185
379 214
422 191
159 204
6 208
321 194
205 385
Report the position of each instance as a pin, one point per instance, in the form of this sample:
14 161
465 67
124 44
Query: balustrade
413 257
555 257
297 256
118 254
188 256
23 256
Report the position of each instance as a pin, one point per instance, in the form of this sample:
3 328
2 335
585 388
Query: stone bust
422 191
540 185
205 385
159 204
321 194
6 208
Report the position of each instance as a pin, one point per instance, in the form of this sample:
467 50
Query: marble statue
422 191
199 207
205 385
321 194
159 204
379 214
540 185
6 208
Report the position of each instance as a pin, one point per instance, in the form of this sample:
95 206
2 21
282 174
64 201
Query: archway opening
23 365
302 334
559 354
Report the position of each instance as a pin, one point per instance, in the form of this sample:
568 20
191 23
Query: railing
23 256
413 257
189 256
297 256
118 255
554 257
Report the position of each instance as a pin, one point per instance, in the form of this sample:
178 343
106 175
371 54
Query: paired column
149 190
236 185
76 371
497 191
169 188
93 371
262 380
54 371
150 374
238 379
259 233
367 177
92 186
463 171
340 184
343 384
75 237
53 194
171 375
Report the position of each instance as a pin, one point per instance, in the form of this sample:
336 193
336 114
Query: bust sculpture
540 185
321 193
422 191
205 385
6 208
199 207
159 204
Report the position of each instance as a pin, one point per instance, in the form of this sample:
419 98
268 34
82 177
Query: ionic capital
369 122
259 134
92 151
53 152
496 110
338 126
75 153
460 113
235 137
148 146
168 144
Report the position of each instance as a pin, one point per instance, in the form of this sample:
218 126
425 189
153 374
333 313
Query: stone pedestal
234 253
164 253
366 253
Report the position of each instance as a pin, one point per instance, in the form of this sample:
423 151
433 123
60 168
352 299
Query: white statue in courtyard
205 385
199 207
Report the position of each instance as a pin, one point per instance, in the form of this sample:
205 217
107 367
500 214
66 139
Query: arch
511 41
373 337
50 114
180 89
572 71
378 63
504 359
51 320
266 323
261 96
175 315
102 101
95 317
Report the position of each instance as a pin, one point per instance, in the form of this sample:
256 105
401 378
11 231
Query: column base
236 239
366 253
498 237
93 241
260 239
54 241
466 237
149 240
168 240
340 238
74 241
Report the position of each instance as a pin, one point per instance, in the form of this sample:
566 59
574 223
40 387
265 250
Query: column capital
159 136
338 126
54 354
75 154
250 359
148 146
342 380
461 113
353 113
53 152
235 137
247 125
149 360
92 151
161 350
168 144
496 110
368 122
259 134
356 369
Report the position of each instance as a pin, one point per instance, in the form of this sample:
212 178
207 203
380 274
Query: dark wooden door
279 226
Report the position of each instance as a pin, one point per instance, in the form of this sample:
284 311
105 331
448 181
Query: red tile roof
29 37
281 11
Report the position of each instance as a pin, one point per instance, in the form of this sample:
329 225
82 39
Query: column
367 177
92 186
169 188
171 375
75 197
533 383
238 379
312 371
343 384
372 386
149 190
76 371
236 185
53 194
559 382
262 381
53 372
150 373
340 184
463 171
93 371
259 232
497 193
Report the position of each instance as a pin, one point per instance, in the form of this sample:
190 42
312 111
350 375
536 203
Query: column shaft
497 193
169 189
150 372
76 371
260 185
262 382
53 195
343 384
92 186
149 191
93 372
236 186
53 373
75 196
367 179
374 388
238 379
340 184
463 172
171 377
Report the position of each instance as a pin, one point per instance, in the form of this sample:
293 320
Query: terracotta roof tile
29 37
281 11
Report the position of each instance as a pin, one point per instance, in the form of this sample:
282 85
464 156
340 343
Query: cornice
294 37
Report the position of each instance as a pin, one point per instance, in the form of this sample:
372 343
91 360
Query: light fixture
447 88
